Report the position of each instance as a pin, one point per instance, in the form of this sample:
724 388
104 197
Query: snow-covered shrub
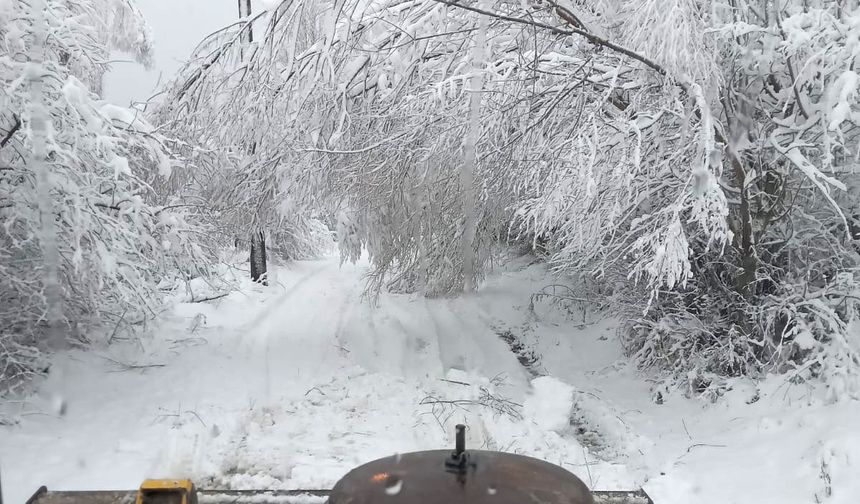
721 191
781 296
84 239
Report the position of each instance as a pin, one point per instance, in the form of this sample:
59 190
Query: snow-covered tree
236 140
85 238
693 156
735 206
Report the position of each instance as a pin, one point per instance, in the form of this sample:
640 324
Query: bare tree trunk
749 263
258 257
739 123
258 237
250 29
244 13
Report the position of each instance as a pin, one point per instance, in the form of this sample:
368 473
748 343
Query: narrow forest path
291 385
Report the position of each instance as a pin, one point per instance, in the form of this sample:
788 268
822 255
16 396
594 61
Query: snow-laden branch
84 228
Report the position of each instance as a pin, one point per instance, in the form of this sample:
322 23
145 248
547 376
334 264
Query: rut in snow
592 422
526 356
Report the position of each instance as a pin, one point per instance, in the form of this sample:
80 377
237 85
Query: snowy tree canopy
378 92
673 146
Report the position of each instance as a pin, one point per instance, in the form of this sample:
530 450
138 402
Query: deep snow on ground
291 385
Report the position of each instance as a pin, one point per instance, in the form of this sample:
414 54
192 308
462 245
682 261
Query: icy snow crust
290 386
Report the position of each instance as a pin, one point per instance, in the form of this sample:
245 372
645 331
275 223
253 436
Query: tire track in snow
267 313
445 349
390 337
410 346
345 314
295 338
595 422
471 343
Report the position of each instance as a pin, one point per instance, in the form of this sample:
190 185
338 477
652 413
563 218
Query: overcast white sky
177 26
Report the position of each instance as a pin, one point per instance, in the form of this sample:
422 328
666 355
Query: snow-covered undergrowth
291 385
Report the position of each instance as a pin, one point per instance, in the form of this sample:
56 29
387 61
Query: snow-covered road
288 386
291 385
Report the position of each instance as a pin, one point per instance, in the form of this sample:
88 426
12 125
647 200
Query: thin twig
118 322
587 467
129 367
210 298
685 430
455 381
706 445
197 416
